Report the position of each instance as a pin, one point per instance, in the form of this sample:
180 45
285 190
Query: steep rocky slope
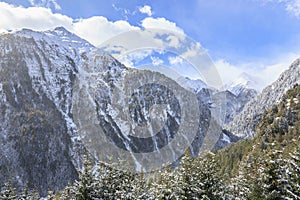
236 94
35 146
245 123
40 142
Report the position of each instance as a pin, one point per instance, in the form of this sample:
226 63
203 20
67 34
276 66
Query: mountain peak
194 84
64 35
62 29
244 81
59 35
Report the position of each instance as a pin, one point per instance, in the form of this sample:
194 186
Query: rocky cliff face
235 95
35 146
245 123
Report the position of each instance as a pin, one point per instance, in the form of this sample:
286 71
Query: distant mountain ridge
244 81
236 94
196 85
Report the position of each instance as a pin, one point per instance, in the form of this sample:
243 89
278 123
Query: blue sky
231 29
239 35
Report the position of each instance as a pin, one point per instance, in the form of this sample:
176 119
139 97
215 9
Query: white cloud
227 71
174 41
156 61
45 3
123 11
160 23
130 59
95 29
98 29
146 10
37 18
266 73
193 51
155 33
293 7
175 60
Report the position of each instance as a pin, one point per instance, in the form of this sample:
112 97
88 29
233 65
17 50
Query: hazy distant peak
194 84
244 81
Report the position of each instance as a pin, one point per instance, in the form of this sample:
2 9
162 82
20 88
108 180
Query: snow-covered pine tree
239 187
168 184
274 183
113 183
68 193
189 181
51 196
8 192
210 181
84 189
25 193
293 174
140 186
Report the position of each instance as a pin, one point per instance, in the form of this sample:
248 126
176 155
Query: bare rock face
245 123
35 146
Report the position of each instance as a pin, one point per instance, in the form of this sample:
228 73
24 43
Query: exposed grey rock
236 95
225 139
35 146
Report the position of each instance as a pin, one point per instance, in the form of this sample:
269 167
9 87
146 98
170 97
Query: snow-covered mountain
245 123
54 86
52 82
39 140
59 36
242 83
195 85
235 94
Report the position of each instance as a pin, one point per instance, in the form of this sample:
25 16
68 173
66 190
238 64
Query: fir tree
140 186
9 192
239 187
209 179
293 174
84 189
273 184
113 183
165 186
68 193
